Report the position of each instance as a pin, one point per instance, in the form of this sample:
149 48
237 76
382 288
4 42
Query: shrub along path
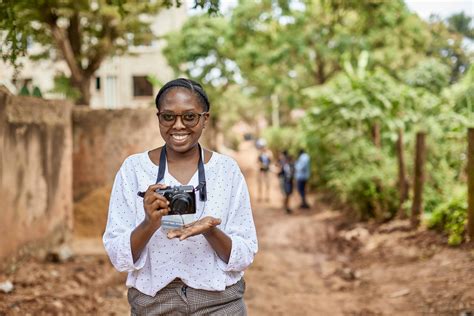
312 262
315 262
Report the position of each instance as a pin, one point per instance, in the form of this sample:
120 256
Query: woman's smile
180 138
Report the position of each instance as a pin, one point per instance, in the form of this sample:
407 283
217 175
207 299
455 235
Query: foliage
62 85
80 32
24 91
368 189
430 74
451 217
362 71
37 92
280 48
461 23
280 139
339 125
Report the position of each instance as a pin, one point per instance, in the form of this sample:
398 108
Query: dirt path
309 263
315 263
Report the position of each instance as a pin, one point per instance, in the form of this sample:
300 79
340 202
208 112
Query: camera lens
180 203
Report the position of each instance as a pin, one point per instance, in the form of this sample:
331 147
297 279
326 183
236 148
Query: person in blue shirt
302 174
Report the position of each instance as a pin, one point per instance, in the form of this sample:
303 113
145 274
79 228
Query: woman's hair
189 84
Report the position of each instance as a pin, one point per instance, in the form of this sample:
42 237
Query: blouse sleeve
121 222
240 227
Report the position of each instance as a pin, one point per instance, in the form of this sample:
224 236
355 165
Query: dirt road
309 263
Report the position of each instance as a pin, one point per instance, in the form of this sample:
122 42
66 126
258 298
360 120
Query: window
142 87
97 83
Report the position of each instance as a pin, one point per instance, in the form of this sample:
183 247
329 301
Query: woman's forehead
182 99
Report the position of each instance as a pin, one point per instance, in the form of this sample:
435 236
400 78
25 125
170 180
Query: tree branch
62 42
103 49
74 34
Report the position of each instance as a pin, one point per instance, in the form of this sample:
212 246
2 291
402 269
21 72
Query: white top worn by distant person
260 143
302 167
192 260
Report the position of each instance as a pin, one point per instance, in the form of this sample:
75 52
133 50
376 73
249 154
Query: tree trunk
419 178
376 135
84 87
402 177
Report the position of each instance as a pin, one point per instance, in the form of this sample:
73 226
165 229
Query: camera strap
201 173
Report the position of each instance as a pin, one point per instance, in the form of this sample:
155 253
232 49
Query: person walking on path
302 174
263 180
286 179
183 264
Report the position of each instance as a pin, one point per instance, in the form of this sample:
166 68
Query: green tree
461 23
80 32
277 48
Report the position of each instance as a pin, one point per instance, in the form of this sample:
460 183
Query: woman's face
178 136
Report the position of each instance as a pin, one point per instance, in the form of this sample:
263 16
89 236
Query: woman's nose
179 122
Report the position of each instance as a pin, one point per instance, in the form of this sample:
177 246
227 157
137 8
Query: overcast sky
443 8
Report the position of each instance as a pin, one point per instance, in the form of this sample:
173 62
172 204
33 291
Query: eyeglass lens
189 119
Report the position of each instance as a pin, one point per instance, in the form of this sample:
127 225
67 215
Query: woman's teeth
180 137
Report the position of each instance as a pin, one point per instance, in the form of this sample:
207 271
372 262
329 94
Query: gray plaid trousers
178 299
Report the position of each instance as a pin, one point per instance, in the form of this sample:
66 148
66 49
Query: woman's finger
149 198
159 196
173 233
215 221
159 204
164 211
154 187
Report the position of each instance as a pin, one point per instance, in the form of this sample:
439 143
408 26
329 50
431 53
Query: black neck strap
201 173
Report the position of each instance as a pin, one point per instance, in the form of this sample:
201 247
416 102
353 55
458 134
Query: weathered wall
103 139
35 172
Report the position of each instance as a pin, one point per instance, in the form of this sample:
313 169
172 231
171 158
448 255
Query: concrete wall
35 172
103 139
57 165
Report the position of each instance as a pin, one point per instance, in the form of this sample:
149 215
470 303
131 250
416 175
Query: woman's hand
156 206
201 226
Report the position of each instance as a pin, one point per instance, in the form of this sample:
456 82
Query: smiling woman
197 267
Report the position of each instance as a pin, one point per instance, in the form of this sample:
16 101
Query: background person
263 180
286 179
302 174
197 268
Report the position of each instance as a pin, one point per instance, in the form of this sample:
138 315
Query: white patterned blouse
192 260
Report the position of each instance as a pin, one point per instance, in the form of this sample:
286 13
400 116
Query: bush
369 190
281 138
451 217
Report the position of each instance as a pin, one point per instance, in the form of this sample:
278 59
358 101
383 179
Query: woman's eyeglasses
189 119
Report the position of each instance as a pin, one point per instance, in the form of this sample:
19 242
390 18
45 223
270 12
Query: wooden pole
377 139
419 178
402 177
470 183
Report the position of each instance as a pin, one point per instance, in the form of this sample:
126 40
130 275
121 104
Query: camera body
182 199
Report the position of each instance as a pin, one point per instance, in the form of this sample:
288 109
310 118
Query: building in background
121 81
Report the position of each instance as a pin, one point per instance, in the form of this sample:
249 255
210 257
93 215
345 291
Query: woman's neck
173 156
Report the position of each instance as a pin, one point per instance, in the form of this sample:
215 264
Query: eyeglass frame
181 117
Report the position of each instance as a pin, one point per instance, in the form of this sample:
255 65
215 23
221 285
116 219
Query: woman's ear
206 119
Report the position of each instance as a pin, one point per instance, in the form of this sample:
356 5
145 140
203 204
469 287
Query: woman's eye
189 116
168 116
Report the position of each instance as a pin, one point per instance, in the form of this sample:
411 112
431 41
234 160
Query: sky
443 8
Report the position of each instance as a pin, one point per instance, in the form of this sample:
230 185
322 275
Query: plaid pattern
178 299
